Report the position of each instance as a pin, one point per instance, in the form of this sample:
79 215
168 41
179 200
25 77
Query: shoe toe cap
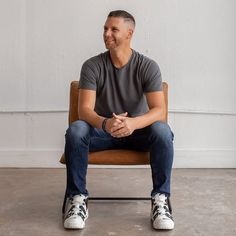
74 223
163 224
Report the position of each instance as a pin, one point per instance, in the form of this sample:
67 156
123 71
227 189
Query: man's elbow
82 113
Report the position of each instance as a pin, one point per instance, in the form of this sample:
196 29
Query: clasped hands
120 125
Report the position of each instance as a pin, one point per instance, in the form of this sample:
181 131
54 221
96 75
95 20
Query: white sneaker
161 212
76 212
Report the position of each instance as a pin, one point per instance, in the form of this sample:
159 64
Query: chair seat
116 157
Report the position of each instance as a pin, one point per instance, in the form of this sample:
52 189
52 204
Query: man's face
116 33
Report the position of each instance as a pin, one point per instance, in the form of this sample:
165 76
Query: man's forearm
153 115
91 117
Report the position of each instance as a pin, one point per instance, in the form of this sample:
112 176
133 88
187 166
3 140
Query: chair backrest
74 92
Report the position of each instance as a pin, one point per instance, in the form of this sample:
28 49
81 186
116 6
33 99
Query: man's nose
107 33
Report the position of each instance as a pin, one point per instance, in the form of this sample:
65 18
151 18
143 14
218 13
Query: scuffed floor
203 200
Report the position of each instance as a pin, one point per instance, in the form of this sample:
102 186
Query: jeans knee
77 131
161 132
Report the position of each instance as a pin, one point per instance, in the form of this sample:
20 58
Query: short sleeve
152 80
88 76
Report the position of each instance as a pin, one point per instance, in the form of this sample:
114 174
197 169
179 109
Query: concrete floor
203 200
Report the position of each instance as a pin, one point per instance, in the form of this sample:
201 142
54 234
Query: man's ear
130 33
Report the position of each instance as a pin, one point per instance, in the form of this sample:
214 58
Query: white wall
44 43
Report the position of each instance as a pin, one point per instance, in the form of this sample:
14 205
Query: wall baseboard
184 158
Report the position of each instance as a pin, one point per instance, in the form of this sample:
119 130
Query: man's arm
157 110
86 104
87 99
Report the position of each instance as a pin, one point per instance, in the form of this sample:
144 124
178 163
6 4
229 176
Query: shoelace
160 205
77 208
161 210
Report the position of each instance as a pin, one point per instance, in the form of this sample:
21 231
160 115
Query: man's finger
123 114
117 126
119 116
118 132
117 122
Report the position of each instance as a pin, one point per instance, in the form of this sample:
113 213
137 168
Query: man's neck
120 57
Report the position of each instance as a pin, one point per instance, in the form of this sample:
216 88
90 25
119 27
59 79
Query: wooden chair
111 157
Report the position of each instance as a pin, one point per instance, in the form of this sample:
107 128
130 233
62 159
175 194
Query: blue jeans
82 138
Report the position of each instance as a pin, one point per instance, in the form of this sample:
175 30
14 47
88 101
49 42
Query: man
121 106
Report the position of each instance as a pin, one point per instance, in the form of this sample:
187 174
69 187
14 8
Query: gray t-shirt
123 89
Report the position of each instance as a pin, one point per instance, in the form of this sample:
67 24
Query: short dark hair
123 14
